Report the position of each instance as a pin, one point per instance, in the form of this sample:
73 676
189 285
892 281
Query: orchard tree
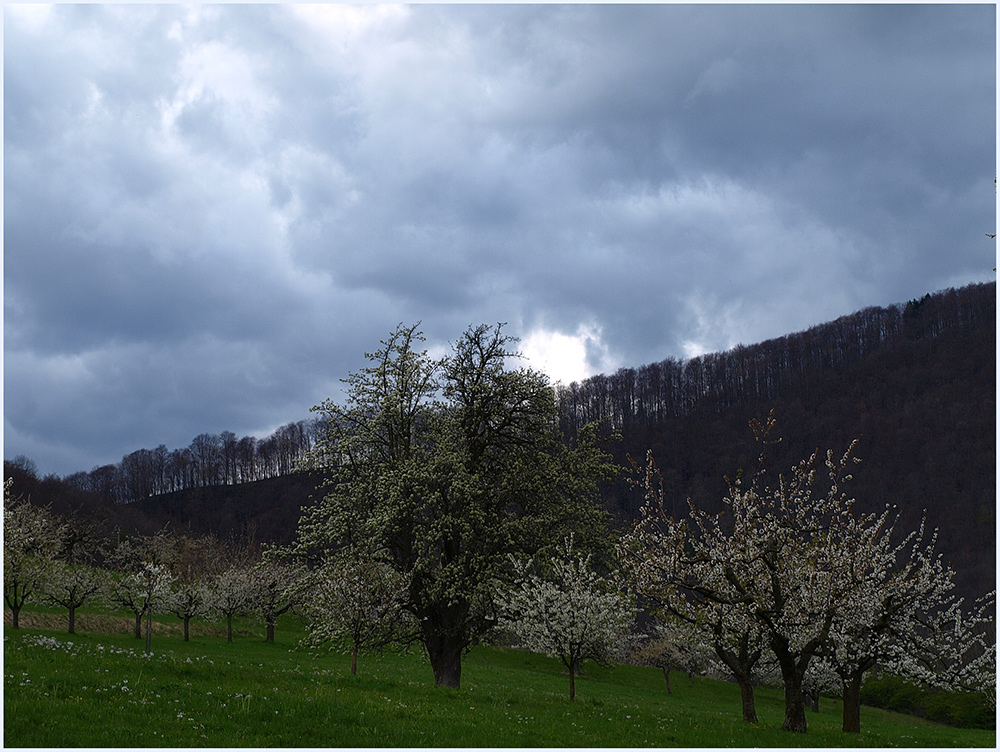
31 537
448 466
194 562
126 591
358 597
978 658
688 594
72 585
275 589
569 612
155 580
674 646
74 577
144 581
956 650
901 599
821 582
778 554
231 592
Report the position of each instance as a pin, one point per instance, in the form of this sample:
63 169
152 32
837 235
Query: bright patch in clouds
566 358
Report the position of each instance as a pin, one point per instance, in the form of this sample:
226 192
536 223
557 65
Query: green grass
99 690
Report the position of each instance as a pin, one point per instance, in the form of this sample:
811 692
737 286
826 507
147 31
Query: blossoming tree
31 538
231 591
356 596
687 592
569 612
820 581
901 597
194 563
275 589
71 585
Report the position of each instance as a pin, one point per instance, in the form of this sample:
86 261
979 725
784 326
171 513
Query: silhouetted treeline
254 512
777 369
210 460
916 383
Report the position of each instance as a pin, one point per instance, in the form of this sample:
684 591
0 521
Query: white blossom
355 596
796 563
30 541
570 613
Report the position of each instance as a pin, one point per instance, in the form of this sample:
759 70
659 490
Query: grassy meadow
97 689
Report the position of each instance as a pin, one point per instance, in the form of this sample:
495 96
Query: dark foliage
258 511
961 709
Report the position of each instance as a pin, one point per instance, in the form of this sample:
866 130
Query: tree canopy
447 466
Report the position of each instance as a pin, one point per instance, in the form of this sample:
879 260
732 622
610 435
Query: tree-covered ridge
221 459
795 365
915 383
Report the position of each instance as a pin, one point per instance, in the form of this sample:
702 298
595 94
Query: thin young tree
674 646
568 612
356 597
194 563
143 581
31 537
275 588
231 592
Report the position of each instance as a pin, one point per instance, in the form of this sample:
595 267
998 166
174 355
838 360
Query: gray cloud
211 212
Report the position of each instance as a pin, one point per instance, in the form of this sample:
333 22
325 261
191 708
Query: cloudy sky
211 212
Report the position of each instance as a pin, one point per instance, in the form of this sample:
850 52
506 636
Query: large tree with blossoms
901 601
445 466
795 560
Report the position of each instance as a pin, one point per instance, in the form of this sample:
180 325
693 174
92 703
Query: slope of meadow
97 689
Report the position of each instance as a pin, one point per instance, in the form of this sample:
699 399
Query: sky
212 212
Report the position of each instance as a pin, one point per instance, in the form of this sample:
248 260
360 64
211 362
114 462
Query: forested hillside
915 382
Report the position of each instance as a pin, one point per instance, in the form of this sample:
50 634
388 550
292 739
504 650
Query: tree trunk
149 631
795 709
666 675
138 625
187 621
572 682
72 620
852 704
445 653
746 695
354 659
15 611
270 631
229 627
741 664
792 673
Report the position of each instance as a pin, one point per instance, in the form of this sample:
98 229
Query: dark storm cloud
211 212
